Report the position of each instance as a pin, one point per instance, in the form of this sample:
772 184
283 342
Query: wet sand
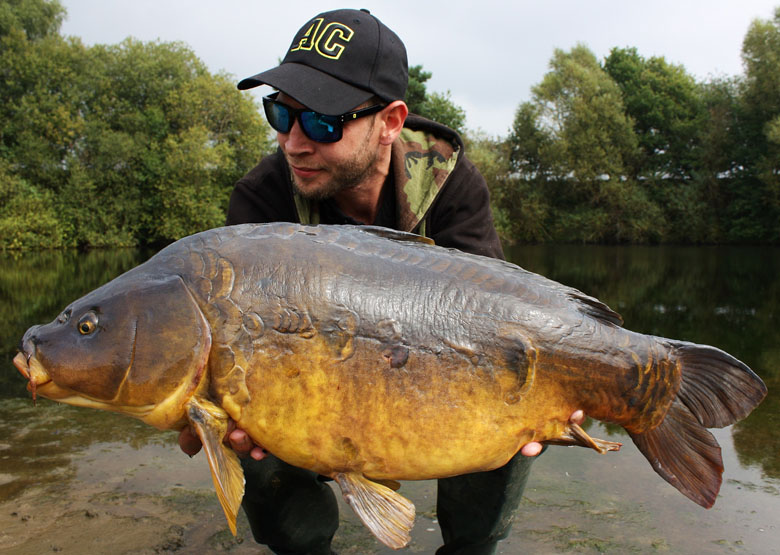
79 481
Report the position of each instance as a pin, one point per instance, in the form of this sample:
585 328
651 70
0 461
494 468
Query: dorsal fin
388 233
596 309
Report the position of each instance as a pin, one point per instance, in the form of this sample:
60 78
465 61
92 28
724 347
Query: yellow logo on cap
328 42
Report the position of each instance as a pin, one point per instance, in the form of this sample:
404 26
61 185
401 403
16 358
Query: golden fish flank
372 356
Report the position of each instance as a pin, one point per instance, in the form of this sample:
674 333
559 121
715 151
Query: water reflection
723 296
727 297
36 286
37 442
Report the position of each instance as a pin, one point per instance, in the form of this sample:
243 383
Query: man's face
321 170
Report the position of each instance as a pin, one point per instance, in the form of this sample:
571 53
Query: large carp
371 356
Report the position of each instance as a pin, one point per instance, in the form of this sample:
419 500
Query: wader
294 512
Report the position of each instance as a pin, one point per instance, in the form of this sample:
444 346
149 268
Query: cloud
488 54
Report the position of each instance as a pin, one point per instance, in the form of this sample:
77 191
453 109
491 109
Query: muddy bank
80 481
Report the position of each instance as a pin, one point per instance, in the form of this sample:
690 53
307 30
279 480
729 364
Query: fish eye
87 323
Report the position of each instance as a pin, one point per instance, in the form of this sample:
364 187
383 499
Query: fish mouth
33 371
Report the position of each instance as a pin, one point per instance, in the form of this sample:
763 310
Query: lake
77 480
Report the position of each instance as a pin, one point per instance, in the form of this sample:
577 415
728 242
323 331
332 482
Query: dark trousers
294 513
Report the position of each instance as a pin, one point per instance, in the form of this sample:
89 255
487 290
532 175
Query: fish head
137 345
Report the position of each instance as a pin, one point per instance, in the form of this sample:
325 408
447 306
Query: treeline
113 144
138 143
635 150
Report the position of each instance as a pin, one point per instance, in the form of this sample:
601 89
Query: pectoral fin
575 435
388 515
210 422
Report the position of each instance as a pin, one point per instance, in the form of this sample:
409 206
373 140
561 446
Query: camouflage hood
423 157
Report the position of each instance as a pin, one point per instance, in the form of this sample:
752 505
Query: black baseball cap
339 60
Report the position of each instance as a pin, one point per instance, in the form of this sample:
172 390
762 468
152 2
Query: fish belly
437 415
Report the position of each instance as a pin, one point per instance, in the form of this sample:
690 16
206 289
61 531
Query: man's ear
393 117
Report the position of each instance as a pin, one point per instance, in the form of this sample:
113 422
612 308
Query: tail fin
716 390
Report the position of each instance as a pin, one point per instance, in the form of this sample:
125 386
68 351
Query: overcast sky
487 53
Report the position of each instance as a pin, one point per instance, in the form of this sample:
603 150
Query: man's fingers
534 448
240 442
189 442
531 449
236 438
243 445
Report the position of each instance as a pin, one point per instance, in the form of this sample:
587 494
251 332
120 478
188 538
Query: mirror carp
371 356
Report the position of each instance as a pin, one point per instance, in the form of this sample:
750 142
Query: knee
289 509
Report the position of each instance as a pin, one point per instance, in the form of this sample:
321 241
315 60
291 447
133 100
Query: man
349 153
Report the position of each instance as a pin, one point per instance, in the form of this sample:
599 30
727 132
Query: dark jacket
437 192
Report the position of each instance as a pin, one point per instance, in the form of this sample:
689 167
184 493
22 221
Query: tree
575 143
28 218
666 107
717 168
36 19
129 143
417 90
757 214
435 106
491 157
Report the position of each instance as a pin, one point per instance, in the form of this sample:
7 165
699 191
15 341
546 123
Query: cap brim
314 89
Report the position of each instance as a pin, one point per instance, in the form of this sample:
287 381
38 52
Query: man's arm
461 217
263 195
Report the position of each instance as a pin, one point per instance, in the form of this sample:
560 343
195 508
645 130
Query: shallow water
76 480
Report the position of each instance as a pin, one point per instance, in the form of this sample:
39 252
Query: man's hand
534 448
236 438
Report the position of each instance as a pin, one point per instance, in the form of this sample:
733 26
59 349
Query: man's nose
296 141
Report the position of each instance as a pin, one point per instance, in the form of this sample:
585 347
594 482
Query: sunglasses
317 127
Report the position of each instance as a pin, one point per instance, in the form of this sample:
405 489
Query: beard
345 176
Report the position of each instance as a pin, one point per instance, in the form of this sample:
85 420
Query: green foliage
666 108
439 107
635 149
582 109
761 109
28 219
416 90
139 143
519 211
124 144
35 18
491 158
434 106
668 112
573 146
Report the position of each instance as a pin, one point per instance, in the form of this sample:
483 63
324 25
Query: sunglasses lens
317 127
321 128
278 116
